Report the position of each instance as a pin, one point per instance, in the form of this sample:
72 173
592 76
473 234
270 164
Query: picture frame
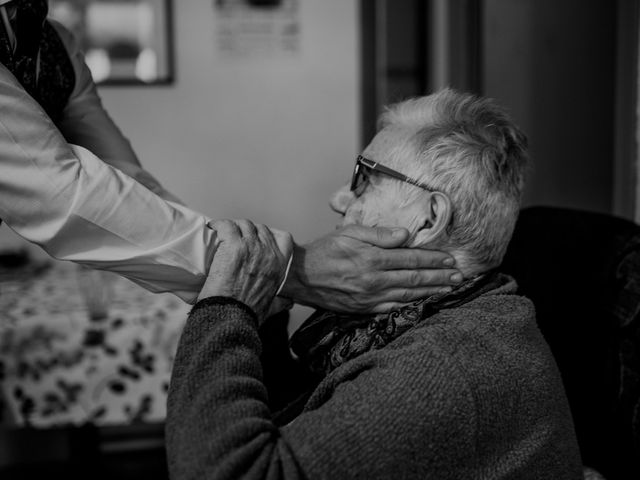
125 42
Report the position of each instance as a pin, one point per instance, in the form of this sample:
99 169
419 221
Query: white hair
468 148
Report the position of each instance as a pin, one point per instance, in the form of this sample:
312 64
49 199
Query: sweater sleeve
219 425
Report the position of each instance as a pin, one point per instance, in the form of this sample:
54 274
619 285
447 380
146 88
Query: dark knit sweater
471 393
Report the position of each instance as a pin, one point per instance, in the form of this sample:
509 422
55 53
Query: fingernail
445 290
456 277
397 232
448 262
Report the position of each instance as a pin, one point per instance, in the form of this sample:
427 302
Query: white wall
265 139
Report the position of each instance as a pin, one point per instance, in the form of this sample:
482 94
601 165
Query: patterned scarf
326 339
40 61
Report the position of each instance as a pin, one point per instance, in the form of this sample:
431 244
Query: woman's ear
436 220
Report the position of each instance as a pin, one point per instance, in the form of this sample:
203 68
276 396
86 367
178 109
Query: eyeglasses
363 169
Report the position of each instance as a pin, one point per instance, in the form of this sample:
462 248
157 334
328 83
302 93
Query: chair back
582 272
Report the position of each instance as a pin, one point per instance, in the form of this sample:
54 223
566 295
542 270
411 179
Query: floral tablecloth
80 346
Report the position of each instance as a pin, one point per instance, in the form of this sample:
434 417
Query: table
80 346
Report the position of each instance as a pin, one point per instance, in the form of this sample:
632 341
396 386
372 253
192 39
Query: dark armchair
582 271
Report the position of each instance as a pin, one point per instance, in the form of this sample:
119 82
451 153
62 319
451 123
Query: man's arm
77 208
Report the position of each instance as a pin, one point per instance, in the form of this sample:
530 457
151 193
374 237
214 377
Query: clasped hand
249 264
353 269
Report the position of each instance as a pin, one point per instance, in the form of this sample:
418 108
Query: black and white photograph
319 239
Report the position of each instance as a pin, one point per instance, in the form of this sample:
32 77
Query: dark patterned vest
40 62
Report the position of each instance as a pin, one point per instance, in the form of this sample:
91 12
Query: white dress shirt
76 207
65 199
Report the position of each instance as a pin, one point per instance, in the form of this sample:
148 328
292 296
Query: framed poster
127 42
258 28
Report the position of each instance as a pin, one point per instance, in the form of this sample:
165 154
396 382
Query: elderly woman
457 385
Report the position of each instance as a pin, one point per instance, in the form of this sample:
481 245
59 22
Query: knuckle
368 258
380 235
289 237
362 304
371 283
406 296
224 223
247 226
413 261
415 279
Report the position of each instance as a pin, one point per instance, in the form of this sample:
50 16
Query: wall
265 139
553 64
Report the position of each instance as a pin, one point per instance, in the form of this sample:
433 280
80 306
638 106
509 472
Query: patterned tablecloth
80 346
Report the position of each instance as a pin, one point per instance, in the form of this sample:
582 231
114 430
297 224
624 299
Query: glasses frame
362 161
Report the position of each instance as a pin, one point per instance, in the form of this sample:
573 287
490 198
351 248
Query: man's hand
360 269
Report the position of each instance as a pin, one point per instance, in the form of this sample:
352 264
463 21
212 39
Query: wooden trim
453 38
368 80
626 191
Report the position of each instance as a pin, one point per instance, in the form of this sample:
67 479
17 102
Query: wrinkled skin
248 266
360 269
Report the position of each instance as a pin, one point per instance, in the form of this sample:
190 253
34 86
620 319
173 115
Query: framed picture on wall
125 42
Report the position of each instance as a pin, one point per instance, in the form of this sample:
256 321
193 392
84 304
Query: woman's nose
341 199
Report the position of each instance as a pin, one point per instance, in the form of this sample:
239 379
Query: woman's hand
249 264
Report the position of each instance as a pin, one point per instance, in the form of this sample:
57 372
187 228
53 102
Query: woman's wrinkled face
385 201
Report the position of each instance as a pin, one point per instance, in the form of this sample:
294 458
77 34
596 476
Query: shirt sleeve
78 208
